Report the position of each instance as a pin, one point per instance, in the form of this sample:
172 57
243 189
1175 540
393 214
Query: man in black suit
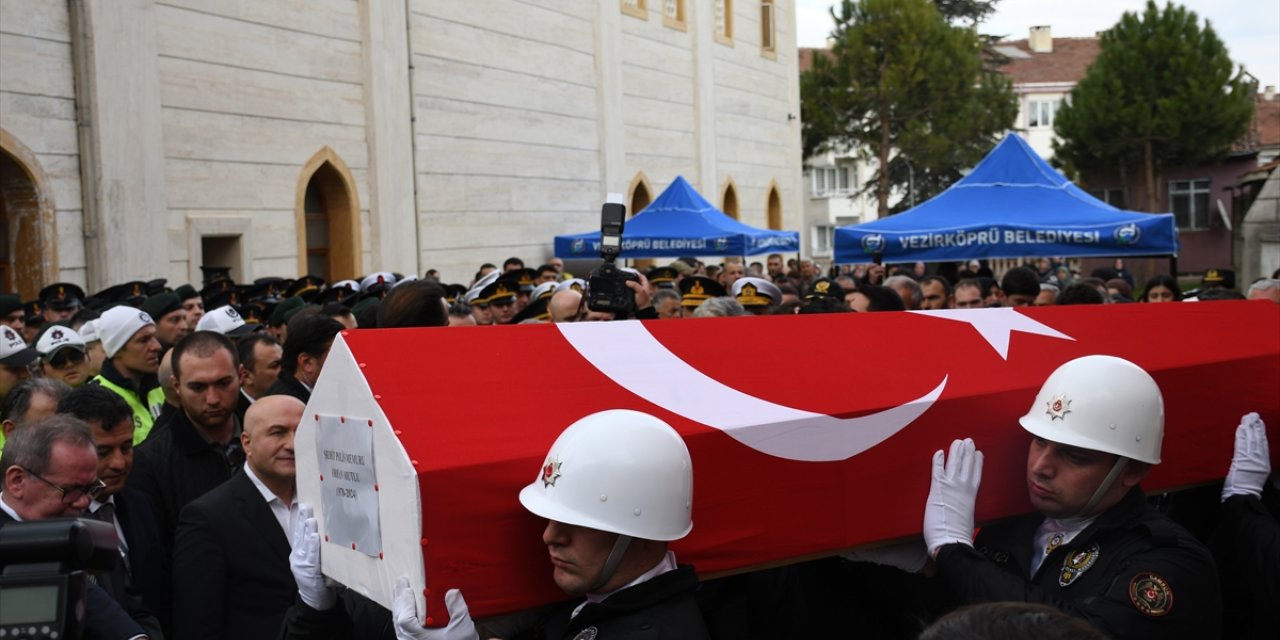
51 471
231 556
260 358
305 349
143 572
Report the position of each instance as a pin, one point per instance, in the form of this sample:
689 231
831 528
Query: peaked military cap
306 287
824 288
694 290
756 292
62 296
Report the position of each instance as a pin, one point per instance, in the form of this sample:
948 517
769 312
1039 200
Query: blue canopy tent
680 222
1012 205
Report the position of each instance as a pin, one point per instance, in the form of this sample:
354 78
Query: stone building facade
145 138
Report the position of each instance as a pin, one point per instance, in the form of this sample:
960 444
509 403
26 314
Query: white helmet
1100 403
620 471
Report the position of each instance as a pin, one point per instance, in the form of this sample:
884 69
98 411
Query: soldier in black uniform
1095 549
632 584
1247 541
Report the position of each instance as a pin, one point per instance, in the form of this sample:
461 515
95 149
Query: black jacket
1147 577
662 608
175 465
287 385
147 575
1247 548
231 577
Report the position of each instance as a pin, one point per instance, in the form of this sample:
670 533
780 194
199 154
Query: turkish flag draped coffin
809 434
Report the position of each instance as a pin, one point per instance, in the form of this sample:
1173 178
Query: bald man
564 306
231 559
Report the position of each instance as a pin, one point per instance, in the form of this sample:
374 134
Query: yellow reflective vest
144 416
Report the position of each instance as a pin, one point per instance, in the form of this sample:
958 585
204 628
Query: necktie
107 513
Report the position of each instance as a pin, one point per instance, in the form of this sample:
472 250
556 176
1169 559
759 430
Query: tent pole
1173 267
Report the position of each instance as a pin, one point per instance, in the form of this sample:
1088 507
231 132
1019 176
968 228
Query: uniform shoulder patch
1151 594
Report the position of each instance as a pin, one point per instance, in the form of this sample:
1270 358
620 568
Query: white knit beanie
118 324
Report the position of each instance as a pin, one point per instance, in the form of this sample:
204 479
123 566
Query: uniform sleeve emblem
1151 594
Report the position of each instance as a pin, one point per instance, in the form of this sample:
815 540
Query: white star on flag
996 324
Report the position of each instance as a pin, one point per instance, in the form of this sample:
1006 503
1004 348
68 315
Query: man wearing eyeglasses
62 355
51 471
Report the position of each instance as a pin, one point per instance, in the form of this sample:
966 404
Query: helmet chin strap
1107 482
611 563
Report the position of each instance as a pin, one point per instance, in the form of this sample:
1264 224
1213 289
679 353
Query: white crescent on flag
630 356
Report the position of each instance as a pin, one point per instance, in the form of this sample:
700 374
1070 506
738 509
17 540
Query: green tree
1163 93
904 87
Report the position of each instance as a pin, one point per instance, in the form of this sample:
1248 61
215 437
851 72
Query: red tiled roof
1067 62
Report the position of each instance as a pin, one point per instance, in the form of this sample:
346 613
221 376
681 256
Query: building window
724 21
768 46
1113 197
729 201
830 181
773 209
636 8
328 219
673 14
1040 113
1189 200
821 239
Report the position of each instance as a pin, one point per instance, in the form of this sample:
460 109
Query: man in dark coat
305 349
50 470
231 557
143 572
199 447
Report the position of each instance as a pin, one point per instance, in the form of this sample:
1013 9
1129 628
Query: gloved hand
305 562
948 514
405 611
1251 463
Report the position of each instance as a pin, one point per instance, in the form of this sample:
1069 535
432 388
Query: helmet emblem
550 472
1059 407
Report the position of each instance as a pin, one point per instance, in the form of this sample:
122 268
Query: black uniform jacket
230 567
1133 573
664 607
1247 547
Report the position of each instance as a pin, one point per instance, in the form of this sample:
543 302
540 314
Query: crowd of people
169 414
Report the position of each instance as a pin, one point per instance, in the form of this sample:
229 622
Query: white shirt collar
668 563
9 510
266 492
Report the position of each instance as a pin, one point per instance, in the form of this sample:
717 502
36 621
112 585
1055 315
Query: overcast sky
1250 28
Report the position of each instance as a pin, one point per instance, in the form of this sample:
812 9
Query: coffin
809 434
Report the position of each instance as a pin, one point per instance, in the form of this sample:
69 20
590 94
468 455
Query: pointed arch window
328 219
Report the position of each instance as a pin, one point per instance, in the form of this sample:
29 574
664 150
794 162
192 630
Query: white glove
1251 463
405 611
948 514
305 562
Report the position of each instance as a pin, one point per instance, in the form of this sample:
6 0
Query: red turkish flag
809 434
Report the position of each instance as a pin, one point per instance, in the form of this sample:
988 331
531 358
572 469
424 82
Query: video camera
44 575
607 288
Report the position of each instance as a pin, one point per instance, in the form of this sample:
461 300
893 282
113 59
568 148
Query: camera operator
51 471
